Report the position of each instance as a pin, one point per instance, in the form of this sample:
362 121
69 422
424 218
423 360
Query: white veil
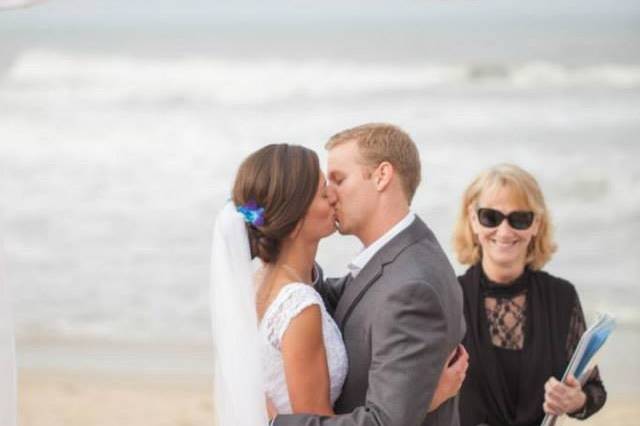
239 392
8 397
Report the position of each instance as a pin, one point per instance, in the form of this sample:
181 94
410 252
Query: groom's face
351 181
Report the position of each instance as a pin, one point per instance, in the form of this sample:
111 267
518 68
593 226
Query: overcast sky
127 12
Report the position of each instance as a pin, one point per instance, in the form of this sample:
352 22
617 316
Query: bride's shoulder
298 289
296 295
292 299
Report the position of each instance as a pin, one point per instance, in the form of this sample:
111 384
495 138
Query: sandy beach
57 398
54 398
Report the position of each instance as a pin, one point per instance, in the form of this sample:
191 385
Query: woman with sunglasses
523 324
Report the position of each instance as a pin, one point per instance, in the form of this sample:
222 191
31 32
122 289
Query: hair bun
262 246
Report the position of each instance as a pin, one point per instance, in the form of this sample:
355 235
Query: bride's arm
305 364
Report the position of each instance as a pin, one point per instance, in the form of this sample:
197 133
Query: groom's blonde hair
378 142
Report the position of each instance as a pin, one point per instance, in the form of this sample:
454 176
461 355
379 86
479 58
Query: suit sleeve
409 349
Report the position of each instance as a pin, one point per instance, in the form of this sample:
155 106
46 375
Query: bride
277 348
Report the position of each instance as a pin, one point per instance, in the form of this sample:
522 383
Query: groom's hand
452 377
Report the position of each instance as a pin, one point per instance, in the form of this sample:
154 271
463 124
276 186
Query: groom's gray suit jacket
400 317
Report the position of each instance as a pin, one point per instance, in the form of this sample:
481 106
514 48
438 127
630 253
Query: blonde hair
378 142
525 189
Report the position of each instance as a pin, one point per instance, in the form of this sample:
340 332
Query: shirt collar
361 260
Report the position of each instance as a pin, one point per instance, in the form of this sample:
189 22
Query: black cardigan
553 313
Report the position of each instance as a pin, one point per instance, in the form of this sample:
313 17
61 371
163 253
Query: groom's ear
383 175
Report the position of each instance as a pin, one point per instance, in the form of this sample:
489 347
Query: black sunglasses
491 218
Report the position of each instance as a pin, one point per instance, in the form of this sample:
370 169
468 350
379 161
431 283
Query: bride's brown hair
282 179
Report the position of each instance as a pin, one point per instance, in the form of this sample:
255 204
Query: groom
400 308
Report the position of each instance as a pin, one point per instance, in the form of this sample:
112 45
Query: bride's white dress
290 302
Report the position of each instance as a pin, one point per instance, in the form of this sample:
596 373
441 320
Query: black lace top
505 307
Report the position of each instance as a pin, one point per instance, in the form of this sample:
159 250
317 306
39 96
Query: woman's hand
271 409
562 398
451 378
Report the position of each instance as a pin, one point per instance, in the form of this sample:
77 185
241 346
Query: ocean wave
203 79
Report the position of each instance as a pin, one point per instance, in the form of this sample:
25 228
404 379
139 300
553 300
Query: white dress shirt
361 260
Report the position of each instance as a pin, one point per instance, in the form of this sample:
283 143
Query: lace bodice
506 317
291 301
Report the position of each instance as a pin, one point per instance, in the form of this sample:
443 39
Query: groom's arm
409 349
330 289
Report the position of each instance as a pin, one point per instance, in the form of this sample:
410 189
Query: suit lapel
372 271
355 290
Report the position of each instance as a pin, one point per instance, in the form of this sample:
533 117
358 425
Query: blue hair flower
253 214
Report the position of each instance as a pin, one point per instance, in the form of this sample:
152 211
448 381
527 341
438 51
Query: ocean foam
202 79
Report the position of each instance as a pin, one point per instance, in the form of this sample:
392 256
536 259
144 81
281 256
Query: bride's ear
296 231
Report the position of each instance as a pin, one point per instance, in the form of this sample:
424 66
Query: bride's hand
451 378
271 409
